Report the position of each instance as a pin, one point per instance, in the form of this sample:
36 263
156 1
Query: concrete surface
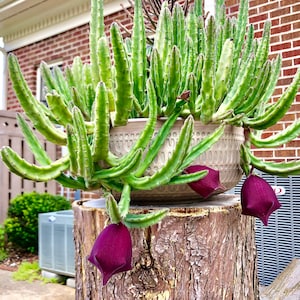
286 285
11 289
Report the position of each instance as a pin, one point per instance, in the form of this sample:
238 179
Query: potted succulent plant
201 77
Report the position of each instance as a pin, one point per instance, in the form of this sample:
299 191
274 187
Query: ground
15 258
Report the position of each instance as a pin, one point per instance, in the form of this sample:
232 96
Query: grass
27 271
30 271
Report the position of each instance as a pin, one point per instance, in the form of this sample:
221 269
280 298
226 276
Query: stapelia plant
114 239
258 198
209 184
211 70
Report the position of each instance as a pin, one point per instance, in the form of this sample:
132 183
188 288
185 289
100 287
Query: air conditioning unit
279 242
56 243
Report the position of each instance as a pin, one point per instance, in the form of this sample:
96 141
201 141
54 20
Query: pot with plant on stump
192 73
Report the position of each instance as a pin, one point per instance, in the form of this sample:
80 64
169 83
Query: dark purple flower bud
258 198
208 185
112 251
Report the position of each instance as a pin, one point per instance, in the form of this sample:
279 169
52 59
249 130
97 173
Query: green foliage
29 272
3 253
210 69
2 236
21 226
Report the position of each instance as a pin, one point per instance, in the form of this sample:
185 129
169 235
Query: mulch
15 258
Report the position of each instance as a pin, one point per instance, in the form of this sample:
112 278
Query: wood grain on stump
199 251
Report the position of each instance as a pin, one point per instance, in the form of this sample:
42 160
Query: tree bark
199 251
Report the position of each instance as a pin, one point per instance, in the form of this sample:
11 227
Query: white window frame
39 80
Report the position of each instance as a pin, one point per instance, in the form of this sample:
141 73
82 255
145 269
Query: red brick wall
60 47
63 47
285 40
285 17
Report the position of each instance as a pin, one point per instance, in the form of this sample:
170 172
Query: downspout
3 76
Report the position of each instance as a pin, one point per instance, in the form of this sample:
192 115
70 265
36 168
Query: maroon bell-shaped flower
112 251
208 185
258 198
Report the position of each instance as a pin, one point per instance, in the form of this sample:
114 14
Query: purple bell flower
258 198
208 185
112 251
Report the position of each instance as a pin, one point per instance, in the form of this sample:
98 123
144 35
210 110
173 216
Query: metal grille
56 245
279 242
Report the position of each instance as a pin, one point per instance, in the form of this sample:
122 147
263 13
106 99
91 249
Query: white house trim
39 28
3 76
210 6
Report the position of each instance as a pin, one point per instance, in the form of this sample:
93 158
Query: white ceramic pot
223 156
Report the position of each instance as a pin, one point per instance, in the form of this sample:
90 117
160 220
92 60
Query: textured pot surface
223 156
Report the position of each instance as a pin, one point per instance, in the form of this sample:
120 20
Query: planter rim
177 124
132 120
217 203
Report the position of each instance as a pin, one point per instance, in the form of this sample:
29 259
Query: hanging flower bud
112 251
258 198
208 185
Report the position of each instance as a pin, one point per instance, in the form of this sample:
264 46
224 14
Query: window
40 85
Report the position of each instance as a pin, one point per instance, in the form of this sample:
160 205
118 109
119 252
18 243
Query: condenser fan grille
279 242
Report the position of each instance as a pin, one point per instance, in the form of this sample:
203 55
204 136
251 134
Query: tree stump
199 251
